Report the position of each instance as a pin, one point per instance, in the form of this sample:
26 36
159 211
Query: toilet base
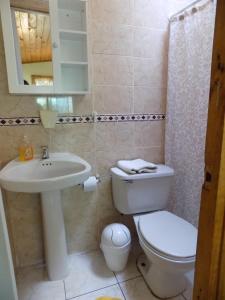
163 286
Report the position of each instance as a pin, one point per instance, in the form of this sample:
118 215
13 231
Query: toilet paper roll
90 184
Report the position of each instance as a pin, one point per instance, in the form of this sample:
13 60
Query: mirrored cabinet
46 46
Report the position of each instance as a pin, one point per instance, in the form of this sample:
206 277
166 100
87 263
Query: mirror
46 46
32 33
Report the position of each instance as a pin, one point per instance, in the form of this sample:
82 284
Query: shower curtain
190 52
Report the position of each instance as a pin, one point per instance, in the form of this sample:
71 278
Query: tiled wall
128 41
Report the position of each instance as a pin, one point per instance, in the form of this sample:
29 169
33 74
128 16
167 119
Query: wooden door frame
210 261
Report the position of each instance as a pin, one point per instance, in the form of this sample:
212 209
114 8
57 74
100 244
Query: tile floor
88 280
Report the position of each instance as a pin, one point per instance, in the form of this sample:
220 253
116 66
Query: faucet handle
45 152
44 147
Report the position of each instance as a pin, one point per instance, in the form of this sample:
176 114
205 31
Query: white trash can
115 245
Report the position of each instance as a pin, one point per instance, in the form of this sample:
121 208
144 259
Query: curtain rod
185 8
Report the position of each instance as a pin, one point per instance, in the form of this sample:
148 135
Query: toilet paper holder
91 183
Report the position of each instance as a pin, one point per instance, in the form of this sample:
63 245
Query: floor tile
112 291
33 284
88 273
190 279
137 289
130 271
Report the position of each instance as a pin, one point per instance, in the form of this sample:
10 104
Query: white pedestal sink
48 177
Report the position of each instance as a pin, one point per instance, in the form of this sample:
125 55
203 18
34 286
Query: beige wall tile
83 104
112 70
12 137
114 135
113 11
105 159
149 100
111 39
150 13
176 5
11 105
113 99
80 213
26 224
149 72
105 136
125 134
150 43
149 134
106 211
153 154
73 138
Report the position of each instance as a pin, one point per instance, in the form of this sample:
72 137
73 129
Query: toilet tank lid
162 171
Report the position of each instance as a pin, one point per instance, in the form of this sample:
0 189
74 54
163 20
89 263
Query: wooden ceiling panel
34 36
35 5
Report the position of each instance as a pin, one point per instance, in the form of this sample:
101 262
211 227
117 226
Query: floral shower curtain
190 52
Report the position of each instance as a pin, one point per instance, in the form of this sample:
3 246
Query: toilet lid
169 234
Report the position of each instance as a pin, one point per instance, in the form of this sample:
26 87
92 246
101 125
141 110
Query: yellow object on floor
107 298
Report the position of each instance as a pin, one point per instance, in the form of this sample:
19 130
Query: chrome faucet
45 152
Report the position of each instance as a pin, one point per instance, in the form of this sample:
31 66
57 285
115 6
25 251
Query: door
210 261
7 278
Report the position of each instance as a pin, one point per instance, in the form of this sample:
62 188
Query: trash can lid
115 235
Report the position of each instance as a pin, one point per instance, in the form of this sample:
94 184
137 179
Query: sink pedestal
48 177
54 234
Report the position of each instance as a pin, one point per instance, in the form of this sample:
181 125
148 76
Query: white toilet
168 241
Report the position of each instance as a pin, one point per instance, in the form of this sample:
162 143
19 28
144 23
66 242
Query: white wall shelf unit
69 38
70 32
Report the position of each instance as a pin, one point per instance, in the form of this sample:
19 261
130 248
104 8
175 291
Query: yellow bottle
26 151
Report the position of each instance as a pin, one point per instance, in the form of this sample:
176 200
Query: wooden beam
39 6
211 223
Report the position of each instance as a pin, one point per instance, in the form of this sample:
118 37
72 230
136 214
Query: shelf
72 35
72 15
69 34
75 5
68 93
74 77
73 47
73 53
83 63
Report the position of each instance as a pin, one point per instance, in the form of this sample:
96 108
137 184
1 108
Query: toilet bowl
169 244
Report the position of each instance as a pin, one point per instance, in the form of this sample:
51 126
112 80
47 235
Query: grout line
92 291
131 25
64 286
115 277
122 291
120 286
125 56
133 278
182 295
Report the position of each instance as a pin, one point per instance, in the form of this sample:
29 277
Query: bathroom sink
60 171
48 177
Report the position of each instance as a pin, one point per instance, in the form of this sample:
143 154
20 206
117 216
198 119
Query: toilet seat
174 238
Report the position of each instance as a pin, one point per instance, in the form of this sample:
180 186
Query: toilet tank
141 193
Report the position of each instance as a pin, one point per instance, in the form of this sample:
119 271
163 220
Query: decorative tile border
75 119
130 117
21 121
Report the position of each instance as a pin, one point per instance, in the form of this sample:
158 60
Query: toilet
168 241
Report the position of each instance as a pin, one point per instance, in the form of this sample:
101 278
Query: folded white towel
136 166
